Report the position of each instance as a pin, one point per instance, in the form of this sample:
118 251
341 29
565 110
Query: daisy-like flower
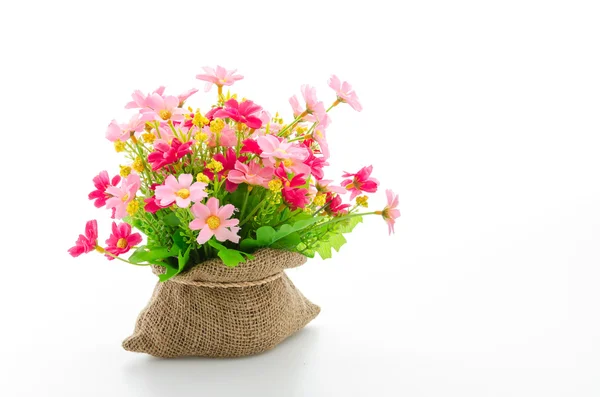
292 192
164 108
102 182
344 92
336 207
165 154
360 182
390 212
275 150
320 135
122 132
121 240
139 99
252 174
228 162
226 136
122 195
315 109
184 96
245 112
183 191
88 242
213 220
219 77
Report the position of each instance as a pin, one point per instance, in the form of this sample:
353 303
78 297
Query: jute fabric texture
217 311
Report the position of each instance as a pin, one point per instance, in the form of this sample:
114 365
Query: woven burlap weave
217 311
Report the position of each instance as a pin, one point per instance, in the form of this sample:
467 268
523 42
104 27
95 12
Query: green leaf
171 219
267 236
153 254
179 241
230 257
333 239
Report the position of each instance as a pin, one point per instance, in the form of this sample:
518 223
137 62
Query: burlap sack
217 311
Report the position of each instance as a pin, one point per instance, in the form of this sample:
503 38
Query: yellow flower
217 125
119 146
202 178
215 166
275 185
362 201
138 165
148 137
320 199
200 137
133 207
199 120
125 171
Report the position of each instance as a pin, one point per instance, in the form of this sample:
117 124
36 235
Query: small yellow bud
275 185
148 137
119 146
148 126
199 120
200 137
133 207
215 166
320 199
362 201
125 171
138 165
217 125
202 178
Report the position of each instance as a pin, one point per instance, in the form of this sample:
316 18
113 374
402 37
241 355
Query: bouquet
227 183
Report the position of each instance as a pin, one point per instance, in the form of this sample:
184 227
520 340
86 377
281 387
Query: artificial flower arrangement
227 199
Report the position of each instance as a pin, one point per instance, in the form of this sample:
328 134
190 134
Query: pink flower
227 137
251 146
320 137
123 195
360 182
390 212
315 165
87 243
184 96
121 240
335 206
151 204
252 174
245 112
314 107
344 92
275 150
296 197
182 191
325 186
214 221
102 182
122 132
218 77
165 154
165 108
139 99
228 161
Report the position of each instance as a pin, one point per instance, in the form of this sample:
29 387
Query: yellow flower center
213 222
122 243
125 198
165 114
287 162
183 193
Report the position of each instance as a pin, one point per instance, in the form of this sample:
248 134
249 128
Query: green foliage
286 237
230 257
328 237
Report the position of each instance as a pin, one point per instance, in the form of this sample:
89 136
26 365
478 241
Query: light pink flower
275 150
122 132
227 136
218 77
360 182
164 108
315 108
213 220
320 135
139 99
184 96
182 191
122 195
252 174
344 92
325 186
390 212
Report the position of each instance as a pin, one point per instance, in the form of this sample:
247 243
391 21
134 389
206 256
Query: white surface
484 116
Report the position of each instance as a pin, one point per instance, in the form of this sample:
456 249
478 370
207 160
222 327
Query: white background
483 116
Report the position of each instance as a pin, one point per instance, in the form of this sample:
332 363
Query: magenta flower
295 196
252 174
184 96
276 150
228 161
390 212
335 205
218 77
245 112
165 154
122 195
360 182
164 108
102 182
121 240
182 190
251 146
122 132
344 92
315 109
87 243
139 99
214 221
315 165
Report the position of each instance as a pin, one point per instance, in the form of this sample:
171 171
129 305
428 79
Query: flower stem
245 202
105 252
293 123
251 214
